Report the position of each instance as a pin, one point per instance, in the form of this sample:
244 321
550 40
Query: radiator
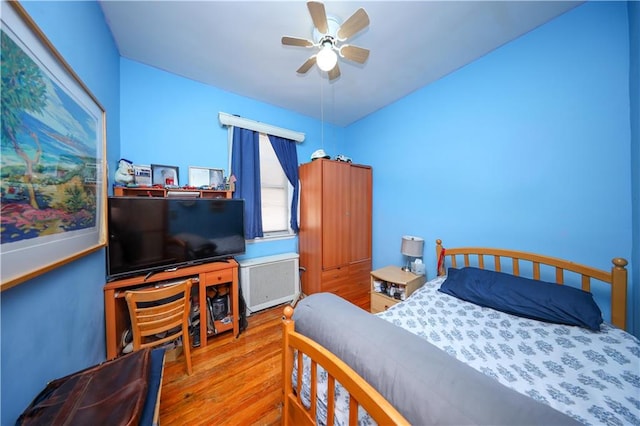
269 281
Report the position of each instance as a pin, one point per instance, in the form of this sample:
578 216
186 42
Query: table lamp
411 247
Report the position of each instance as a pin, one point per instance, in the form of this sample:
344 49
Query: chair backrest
154 312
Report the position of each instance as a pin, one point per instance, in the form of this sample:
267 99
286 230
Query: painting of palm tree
52 155
48 153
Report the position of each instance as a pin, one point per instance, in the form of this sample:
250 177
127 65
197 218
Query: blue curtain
245 166
287 154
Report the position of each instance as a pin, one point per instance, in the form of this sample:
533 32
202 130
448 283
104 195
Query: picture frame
53 185
142 174
164 175
206 177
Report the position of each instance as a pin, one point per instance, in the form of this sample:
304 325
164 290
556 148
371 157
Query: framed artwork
53 171
203 176
164 175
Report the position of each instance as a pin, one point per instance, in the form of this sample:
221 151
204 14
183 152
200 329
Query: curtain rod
245 123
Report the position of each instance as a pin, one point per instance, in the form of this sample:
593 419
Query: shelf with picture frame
152 191
203 183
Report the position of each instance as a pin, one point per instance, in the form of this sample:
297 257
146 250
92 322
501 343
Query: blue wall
528 147
54 324
182 119
634 97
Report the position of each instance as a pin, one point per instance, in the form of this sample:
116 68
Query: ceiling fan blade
334 73
356 22
295 41
307 65
318 16
354 53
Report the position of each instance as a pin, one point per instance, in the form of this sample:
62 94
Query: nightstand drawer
379 303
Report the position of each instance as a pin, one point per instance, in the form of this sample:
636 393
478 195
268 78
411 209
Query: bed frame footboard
361 393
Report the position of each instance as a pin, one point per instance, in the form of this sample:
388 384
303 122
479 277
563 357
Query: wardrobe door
359 214
335 214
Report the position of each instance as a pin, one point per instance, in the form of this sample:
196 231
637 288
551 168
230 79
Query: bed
436 358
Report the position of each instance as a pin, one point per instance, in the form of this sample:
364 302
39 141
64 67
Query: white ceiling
235 46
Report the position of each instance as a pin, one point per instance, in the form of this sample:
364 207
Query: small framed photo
206 177
142 175
164 175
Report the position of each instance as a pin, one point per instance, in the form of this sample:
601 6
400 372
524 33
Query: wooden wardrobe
335 229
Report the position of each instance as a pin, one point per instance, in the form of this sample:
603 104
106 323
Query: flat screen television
152 234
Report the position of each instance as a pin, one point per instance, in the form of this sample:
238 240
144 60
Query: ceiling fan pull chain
322 113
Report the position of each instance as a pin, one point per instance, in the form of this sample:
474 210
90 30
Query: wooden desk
204 275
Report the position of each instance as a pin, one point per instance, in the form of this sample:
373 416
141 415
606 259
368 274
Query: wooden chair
158 311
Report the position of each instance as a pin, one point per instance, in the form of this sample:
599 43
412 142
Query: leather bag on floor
112 393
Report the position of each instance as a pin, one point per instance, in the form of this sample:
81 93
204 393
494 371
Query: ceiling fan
329 36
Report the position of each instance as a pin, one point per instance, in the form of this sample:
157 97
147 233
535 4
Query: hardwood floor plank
235 381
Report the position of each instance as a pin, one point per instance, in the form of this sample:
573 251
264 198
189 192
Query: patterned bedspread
592 376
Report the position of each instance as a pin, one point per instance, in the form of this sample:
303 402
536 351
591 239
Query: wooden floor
235 381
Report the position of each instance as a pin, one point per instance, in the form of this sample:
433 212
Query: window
246 152
275 192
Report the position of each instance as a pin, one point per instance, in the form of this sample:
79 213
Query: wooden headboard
617 278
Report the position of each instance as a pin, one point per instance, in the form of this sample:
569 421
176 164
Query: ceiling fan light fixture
326 58
328 37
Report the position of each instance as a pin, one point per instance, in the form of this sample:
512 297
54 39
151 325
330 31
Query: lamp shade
412 246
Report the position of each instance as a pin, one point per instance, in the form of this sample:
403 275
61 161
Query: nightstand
390 285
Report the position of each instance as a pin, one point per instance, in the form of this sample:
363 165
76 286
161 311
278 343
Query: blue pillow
524 297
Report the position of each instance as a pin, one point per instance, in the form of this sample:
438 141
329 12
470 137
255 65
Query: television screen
150 234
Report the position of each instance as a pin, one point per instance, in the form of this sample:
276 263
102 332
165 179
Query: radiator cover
269 281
